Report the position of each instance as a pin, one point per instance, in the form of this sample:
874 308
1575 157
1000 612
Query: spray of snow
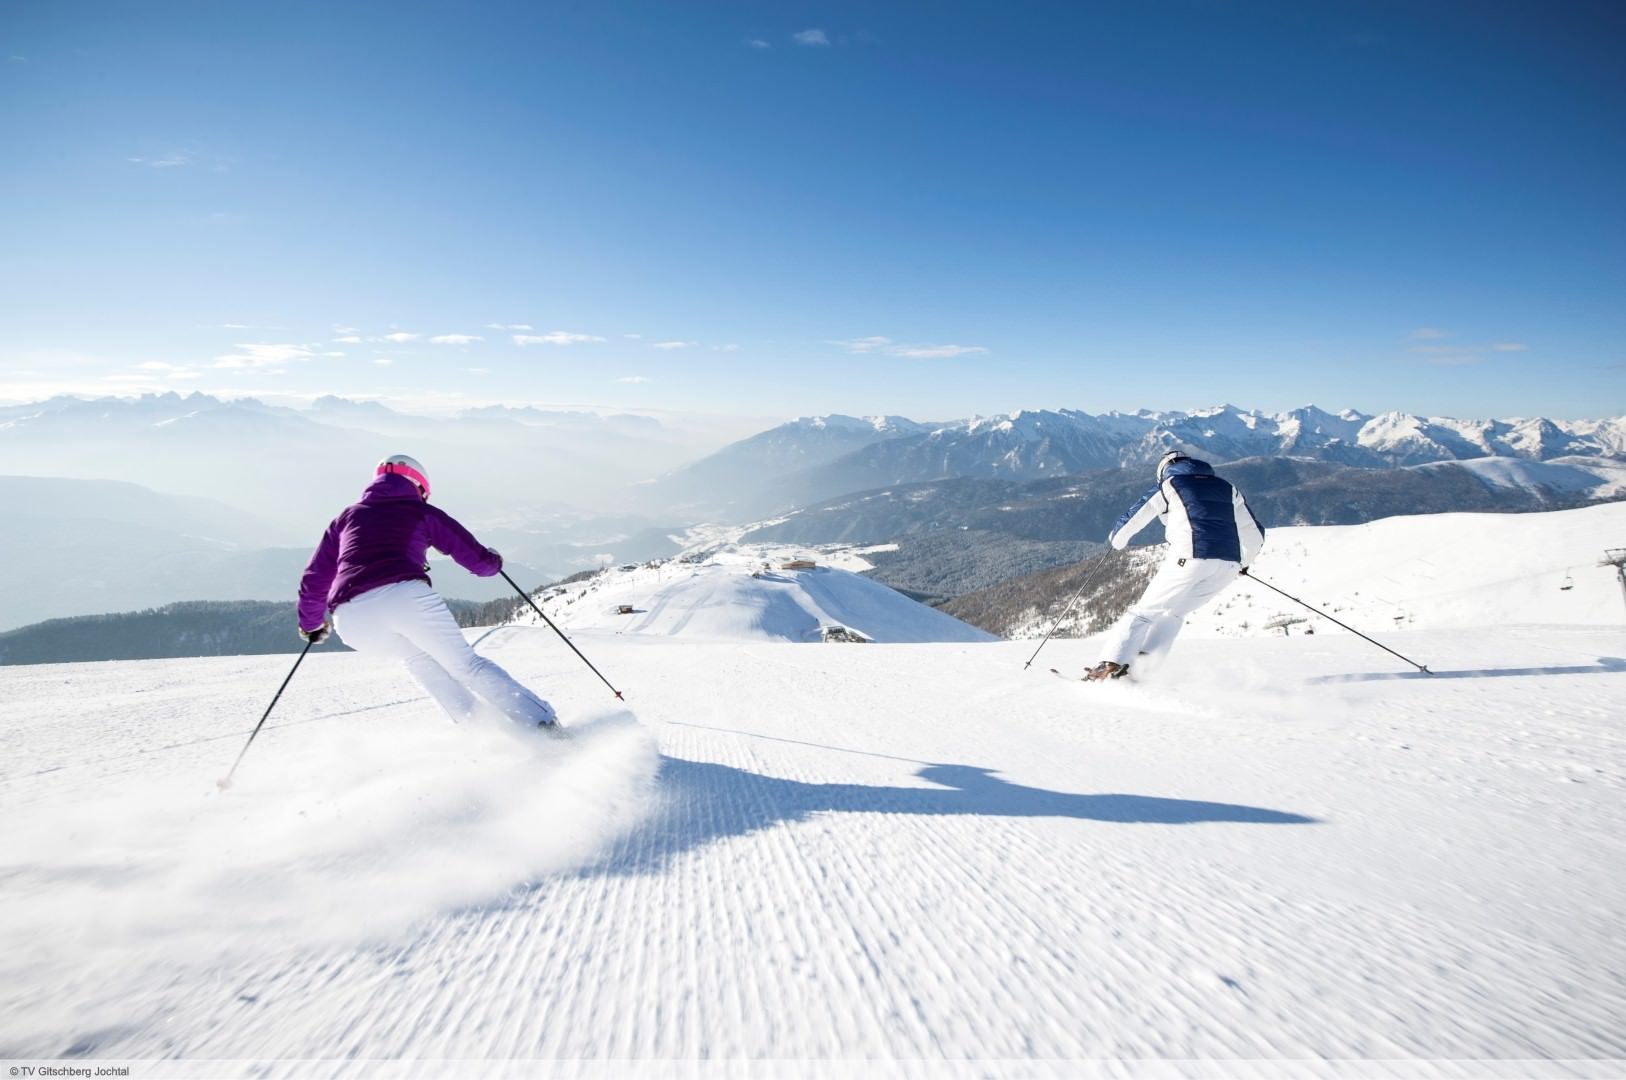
344 837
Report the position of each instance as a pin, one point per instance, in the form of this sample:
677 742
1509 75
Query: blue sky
772 209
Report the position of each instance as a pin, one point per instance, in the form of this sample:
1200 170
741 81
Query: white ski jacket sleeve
1248 531
1154 504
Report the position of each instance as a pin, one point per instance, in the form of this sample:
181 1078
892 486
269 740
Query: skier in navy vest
1212 536
369 571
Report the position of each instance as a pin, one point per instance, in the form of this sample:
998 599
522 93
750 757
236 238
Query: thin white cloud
337 329
555 337
264 356
400 337
730 347
383 361
248 326
348 340
1430 333
758 43
1457 355
509 326
885 346
674 345
934 352
811 37
478 370
455 339
634 379
333 354
864 344
633 337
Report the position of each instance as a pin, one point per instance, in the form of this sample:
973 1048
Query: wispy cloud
455 339
400 337
1434 347
634 379
758 43
509 326
350 339
864 344
334 354
633 337
172 371
730 347
337 329
248 326
885 346
167 161
669 345
813 38
265 356
934 352
555 337
383 361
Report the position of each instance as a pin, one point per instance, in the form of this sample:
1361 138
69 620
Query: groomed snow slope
1290 856
877 861
746 595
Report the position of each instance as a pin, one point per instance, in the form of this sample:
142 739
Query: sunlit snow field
1291 851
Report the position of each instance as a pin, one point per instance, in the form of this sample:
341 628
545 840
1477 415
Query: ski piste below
830 852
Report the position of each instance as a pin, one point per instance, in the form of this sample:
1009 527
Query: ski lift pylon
1567 584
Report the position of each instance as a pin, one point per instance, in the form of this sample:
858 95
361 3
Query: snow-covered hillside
1276 856
1437 570
749 594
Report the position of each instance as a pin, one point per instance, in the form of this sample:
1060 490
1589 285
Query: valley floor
1279 856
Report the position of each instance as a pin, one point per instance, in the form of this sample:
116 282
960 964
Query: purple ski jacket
382 540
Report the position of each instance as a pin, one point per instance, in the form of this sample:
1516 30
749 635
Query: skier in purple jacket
369 571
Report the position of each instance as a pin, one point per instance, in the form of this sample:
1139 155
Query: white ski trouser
408 620
1179 587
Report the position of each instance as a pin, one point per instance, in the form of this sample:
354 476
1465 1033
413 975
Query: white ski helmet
402 465
1166 460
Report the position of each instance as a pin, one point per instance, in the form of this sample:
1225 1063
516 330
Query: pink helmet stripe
407 471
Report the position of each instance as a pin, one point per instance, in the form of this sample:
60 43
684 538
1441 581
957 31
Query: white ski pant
408 620
1179 587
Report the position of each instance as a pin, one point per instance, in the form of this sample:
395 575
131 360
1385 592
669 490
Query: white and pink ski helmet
402 465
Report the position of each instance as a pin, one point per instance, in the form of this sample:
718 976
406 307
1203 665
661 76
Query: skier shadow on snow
1604 664
706 802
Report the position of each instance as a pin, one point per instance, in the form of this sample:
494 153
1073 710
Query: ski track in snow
1285 849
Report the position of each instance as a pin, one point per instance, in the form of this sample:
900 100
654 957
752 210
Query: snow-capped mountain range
815 458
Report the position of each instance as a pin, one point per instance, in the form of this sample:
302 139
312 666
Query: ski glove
317 636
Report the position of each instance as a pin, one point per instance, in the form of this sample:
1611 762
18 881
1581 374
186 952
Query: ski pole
225 782
527 598
1065 610
1329 618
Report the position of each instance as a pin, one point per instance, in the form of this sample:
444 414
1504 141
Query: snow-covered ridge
750 593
